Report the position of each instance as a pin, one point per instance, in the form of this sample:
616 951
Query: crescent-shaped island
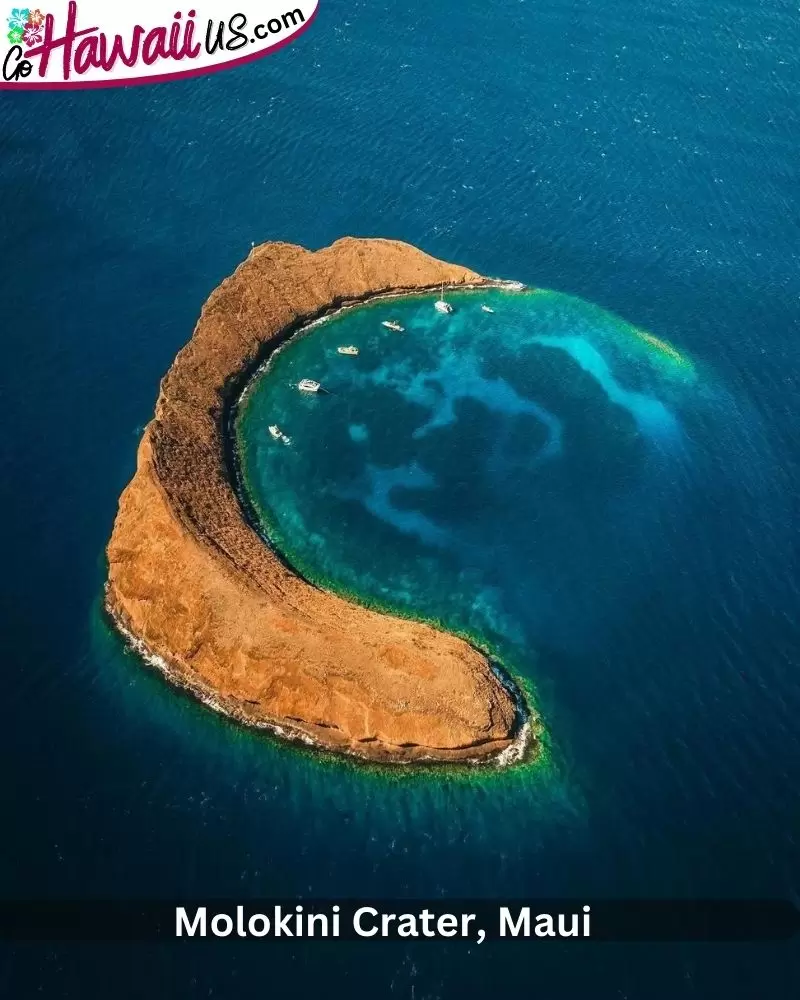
195 589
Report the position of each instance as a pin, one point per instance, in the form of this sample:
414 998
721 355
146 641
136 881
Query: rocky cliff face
198 589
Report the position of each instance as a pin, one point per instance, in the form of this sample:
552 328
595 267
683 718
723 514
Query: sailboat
440 305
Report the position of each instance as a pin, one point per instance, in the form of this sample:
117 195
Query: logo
94 43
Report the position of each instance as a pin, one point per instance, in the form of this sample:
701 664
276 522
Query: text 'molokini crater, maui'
195 588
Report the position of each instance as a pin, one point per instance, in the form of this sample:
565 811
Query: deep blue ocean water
643 159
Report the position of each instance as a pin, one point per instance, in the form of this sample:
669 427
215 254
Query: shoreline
334 311
518 752
199 592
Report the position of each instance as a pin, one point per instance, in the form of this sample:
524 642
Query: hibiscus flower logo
19 18
25 25
32 35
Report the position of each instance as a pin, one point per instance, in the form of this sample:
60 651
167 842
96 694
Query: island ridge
196 589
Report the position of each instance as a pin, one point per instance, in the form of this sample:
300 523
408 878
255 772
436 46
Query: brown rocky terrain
197 589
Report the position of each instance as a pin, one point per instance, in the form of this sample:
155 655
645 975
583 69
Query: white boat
392 324
278 434
487 309
352 351
308 385
440 305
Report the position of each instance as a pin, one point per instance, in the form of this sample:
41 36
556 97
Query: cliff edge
197 590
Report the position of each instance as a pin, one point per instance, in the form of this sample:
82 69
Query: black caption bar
368 920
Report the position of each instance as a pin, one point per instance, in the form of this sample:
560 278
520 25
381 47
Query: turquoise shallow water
510 474
623 530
